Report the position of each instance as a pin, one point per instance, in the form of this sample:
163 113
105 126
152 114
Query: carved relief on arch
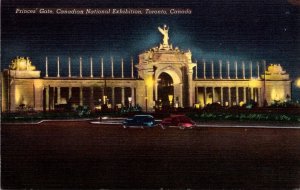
174 72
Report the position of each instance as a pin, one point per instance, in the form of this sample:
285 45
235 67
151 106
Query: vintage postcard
160 95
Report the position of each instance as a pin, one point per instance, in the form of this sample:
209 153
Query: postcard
173 94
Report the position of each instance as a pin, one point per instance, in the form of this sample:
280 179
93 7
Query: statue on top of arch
165 32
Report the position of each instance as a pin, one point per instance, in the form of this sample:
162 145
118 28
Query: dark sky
229 30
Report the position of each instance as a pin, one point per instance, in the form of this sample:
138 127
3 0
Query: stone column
212 70
102 68
123 96
58 67
213 94
196 94
244 95
204 69
53 97
38 96
237 95
12 94
80 96
220 64
156 91
122 68
132 68
58 95
196 70
46 66
80 67
112 97
251 92
243 66
132 96
112 67
69 66
259 97
47 97
181 95
191 89
70 93
228 69
250 65
91 65
229 96
222 98
205 95
236 72
12 101
177 94
149 88
257 63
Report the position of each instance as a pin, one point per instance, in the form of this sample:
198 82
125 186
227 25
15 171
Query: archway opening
165 88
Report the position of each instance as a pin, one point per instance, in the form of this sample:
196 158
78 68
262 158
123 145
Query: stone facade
22 84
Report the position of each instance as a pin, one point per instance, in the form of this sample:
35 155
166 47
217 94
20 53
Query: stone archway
165 90
168 82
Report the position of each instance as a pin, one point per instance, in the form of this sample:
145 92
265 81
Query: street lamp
298 82
104 99
170 99
129 100
100 104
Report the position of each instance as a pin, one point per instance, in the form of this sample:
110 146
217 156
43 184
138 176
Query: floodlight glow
298 82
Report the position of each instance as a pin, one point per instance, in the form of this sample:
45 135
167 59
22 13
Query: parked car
180 121
139 121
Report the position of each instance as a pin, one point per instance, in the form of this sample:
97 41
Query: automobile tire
124 126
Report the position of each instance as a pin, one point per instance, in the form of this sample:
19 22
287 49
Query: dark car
139 121
180 121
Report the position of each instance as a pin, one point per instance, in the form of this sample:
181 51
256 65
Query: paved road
78 154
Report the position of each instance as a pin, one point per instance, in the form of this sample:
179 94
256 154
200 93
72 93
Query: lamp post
107 101
264 95
104 99
160 104
100 106
130 100
170 99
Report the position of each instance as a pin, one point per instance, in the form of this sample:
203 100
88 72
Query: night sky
243 30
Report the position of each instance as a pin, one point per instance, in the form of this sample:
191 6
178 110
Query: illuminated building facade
166 76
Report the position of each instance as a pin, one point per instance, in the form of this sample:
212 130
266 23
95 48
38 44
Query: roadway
79 154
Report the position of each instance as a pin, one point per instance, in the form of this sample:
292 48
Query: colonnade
96 96
227 96
58 74
227 74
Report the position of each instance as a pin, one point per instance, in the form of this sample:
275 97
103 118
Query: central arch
170 77
165 90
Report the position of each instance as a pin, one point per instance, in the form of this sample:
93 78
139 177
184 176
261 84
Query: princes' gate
165 76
